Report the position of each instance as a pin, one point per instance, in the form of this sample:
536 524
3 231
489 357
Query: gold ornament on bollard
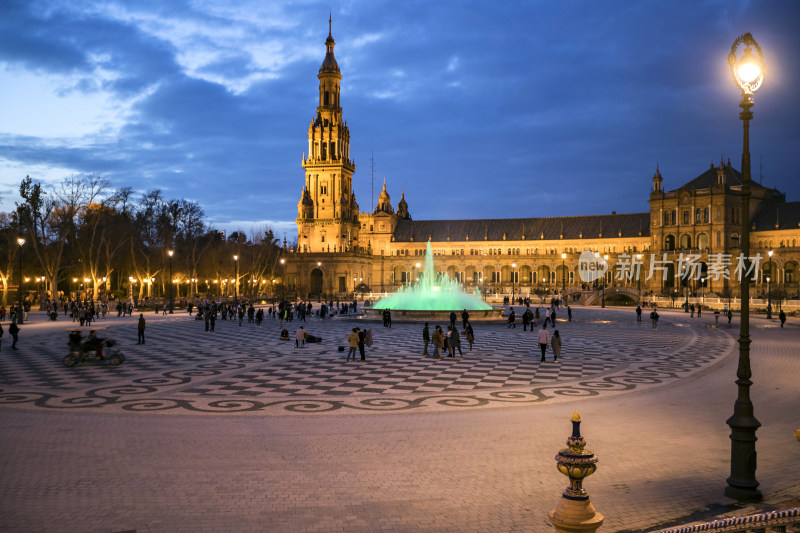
574 512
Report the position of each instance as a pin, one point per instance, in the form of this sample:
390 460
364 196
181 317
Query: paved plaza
240 431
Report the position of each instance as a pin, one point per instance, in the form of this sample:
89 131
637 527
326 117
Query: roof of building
533 229
709 178
785 214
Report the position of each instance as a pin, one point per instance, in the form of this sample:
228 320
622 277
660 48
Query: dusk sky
474 109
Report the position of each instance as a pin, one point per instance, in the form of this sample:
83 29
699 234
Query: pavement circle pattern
184 370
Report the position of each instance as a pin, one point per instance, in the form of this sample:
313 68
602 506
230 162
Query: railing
784 521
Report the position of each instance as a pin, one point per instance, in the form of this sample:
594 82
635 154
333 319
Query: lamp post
236 281
171 299
685 281
638 279
703 293
603 300
563 274
283 279
769 292
319 294
513 281
748 72
20 309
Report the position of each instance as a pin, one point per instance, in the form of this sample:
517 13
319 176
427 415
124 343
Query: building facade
688 241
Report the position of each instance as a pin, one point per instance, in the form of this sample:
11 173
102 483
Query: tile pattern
249 369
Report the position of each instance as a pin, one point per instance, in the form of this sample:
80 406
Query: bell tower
327 211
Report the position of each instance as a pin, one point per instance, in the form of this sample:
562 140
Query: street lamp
703 293
748 72
639 279
603 300
513 281
171 300
283 279
20 311
685 282
769 293
236 282
319 294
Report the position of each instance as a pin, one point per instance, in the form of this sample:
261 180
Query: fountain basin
427 315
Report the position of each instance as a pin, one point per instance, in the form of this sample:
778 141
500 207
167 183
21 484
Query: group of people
532 318
447 342
358 340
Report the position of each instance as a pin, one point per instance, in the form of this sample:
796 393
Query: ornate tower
327 211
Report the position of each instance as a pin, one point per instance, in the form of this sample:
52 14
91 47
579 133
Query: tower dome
329 64
384 202
402 207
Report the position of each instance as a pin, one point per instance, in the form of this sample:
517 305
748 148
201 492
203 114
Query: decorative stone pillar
574 512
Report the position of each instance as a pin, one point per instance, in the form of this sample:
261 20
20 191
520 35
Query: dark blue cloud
503 110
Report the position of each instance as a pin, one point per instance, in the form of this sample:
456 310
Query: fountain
433 297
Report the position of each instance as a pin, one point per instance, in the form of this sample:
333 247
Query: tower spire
330 24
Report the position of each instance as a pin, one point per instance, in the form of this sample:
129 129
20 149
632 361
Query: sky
472 109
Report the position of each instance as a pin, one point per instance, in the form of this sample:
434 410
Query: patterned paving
242 369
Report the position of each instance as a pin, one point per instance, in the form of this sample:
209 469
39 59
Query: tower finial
330 24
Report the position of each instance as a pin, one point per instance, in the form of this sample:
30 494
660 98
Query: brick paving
242 432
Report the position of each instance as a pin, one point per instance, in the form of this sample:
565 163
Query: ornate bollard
574 512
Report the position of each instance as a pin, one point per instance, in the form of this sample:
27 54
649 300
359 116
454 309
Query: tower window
325 98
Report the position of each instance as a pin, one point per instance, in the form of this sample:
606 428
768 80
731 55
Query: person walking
639 314
464 319
569 313
544 339
654 318
438 341
300 338
782 317
453 318
362 337
388 319
455 343
470 335
555 342
352 341
13 330
526 319
512 318
730 316
426 338
140 327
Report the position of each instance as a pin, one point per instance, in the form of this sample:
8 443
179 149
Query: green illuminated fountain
433 297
